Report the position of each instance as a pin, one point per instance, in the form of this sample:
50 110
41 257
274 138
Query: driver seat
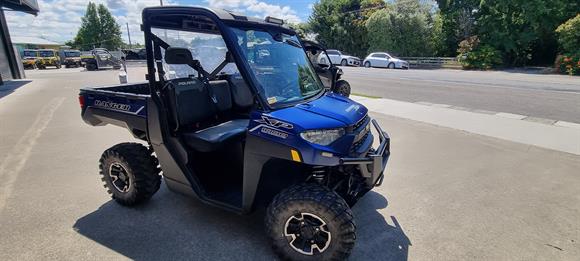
195 114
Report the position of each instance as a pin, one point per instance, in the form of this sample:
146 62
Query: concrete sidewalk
563 137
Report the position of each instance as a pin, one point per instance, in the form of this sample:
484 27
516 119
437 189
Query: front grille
361 131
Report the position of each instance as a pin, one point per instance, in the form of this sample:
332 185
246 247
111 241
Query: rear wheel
130 173
368 64
310 222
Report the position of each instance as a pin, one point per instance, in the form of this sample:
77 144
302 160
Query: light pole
129 35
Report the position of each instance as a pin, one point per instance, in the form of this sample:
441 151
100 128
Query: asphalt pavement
552 97
448 194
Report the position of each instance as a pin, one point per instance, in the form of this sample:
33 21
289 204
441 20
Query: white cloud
259 8
59 20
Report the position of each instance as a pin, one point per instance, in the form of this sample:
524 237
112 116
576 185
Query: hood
336 107
327 112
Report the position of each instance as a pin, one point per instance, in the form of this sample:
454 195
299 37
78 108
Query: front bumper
71 62
353 62
372 166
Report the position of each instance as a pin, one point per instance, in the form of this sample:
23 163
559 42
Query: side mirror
178 55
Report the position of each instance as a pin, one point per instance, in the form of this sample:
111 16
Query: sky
59 20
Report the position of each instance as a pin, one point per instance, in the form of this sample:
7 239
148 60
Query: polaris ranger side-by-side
251 126
100 58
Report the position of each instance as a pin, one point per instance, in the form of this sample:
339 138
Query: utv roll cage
196 20
207 21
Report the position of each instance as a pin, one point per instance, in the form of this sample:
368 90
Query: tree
404 28
523 30
110 31
303 30
340 24
458 22
569 36
98 29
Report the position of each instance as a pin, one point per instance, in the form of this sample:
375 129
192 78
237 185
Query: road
554 97
447 195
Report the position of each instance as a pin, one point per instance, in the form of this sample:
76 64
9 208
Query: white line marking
17 157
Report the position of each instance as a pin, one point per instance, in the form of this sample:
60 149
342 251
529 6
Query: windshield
46 53
29 54
280 65
72 54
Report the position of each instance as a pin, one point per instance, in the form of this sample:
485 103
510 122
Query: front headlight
322 137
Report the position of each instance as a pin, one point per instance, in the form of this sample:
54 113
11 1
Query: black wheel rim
120 178
307 234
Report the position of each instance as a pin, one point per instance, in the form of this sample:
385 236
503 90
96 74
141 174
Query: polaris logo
112 105
185 83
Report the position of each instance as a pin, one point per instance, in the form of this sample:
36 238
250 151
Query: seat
216 137
242 97
192 107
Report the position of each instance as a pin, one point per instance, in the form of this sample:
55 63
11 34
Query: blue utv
234 114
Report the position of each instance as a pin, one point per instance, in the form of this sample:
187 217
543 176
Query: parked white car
337 57
384 60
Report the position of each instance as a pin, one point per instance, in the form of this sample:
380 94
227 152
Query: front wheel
310 222
391 66
130 173
342 88
343 62
368 64
91 67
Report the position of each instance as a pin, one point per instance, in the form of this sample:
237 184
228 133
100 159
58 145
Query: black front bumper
373 164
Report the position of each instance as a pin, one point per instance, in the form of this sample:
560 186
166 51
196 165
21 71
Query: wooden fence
432 62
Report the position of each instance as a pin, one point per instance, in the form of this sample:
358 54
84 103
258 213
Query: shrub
570 64
569 36
473 55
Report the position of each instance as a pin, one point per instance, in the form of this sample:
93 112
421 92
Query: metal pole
161 2
129 35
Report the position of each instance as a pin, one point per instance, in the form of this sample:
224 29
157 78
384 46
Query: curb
546 133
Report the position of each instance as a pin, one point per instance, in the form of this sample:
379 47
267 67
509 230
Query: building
26 42
9 62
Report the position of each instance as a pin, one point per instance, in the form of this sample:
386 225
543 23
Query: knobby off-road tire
91 67
130 173
307 212
343 88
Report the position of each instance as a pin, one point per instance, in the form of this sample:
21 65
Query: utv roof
200 18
